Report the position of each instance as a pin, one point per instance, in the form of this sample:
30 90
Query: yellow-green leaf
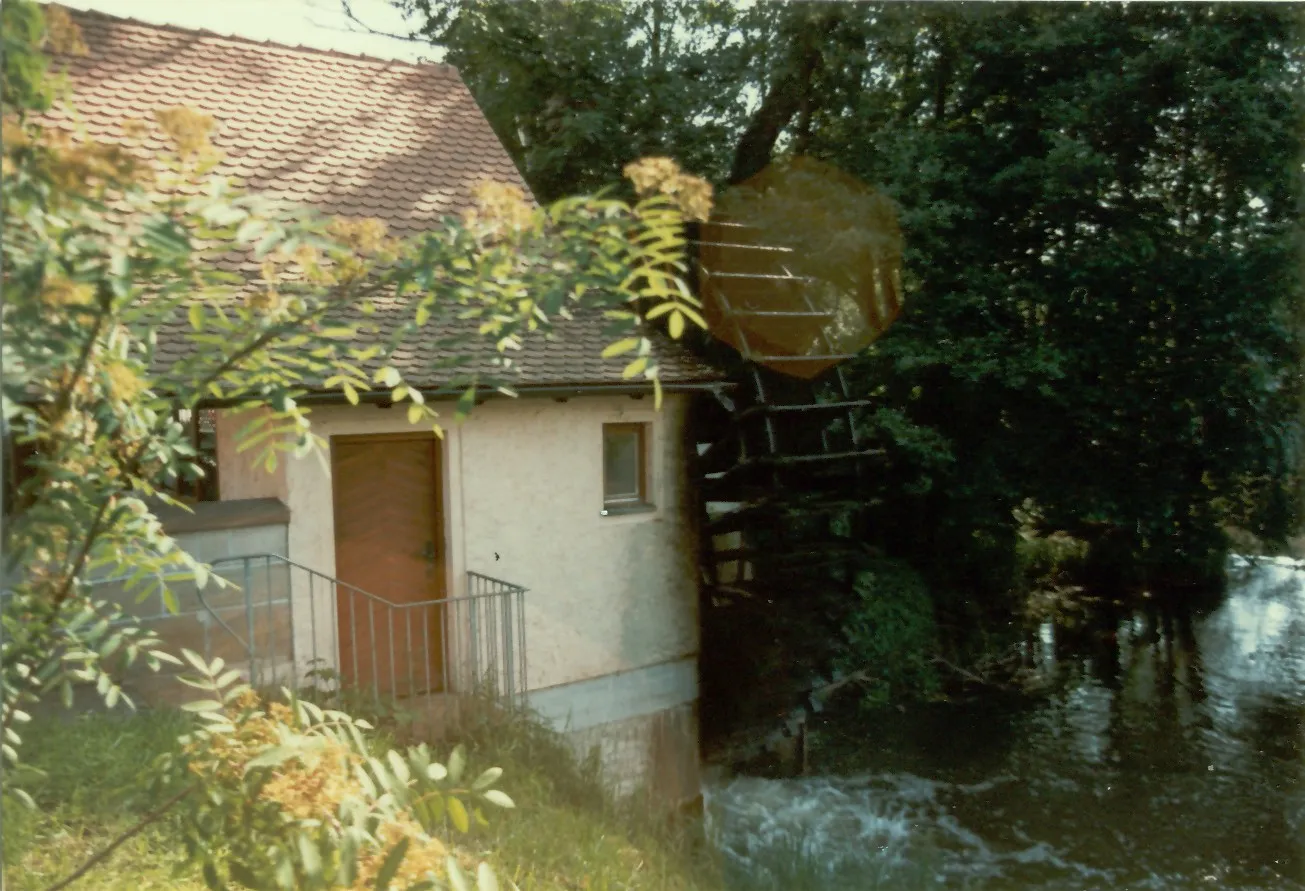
676 324
196 314
694 316
349 392
621 346
635 367
458 814
414 413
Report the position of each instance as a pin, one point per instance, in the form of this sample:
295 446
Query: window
625 466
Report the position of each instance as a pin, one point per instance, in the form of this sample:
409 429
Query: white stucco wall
524 481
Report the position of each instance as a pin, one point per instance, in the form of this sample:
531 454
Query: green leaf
694 316
457 763
675 324
202 705
458 814
393 861
309 855
285 872
350 393
621 346
196 314
466 402
387 376
271 757
415 413
250 229
499 797
196 660
267 243
227 679
634 368
457 878
349 846
398 766
487 779
436 772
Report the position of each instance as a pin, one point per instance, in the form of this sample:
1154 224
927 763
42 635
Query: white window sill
620 510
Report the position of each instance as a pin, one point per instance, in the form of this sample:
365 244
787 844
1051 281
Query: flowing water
1170 757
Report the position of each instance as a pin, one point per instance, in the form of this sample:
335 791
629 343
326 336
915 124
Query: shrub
288 795
890 633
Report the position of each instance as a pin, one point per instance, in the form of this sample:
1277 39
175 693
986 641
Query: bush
891 633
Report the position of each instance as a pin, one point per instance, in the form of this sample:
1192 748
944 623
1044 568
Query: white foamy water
880 830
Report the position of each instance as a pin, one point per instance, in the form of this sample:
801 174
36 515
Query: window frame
641 501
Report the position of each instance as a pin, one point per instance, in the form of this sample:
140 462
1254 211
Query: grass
86 799
565 833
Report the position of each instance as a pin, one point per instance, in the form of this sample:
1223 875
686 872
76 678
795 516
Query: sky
315 23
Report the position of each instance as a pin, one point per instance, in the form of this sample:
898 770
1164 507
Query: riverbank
565 832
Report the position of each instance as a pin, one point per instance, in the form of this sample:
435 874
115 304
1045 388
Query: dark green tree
1102 208
1102 212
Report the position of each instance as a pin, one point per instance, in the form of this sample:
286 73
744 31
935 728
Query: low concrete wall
657 753
643 724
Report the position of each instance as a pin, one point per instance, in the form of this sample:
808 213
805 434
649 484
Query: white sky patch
320 24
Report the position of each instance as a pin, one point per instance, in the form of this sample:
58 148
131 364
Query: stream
1167 757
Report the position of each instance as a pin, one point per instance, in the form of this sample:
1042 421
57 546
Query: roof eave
551 391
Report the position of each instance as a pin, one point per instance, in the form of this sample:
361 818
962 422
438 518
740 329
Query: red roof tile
401 142
348 135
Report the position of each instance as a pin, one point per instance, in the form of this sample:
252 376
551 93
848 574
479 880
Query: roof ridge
441 67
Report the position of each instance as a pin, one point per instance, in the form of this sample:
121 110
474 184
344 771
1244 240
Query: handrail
268 555
310 621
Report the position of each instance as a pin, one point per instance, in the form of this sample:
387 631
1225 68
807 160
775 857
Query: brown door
389 543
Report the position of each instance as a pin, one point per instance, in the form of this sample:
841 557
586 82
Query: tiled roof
345 134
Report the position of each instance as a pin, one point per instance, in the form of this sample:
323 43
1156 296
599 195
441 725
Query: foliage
1045 558
890 633
1103 274
574 90
288 795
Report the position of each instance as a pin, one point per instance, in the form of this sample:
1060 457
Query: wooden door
389 543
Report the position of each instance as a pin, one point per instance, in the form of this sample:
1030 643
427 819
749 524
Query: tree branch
62 401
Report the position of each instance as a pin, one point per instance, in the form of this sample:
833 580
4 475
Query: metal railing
284 624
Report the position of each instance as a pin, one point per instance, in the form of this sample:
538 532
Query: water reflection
1170 756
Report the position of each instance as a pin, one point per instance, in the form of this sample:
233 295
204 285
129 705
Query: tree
104 252
574 88
1103 258
1100 207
